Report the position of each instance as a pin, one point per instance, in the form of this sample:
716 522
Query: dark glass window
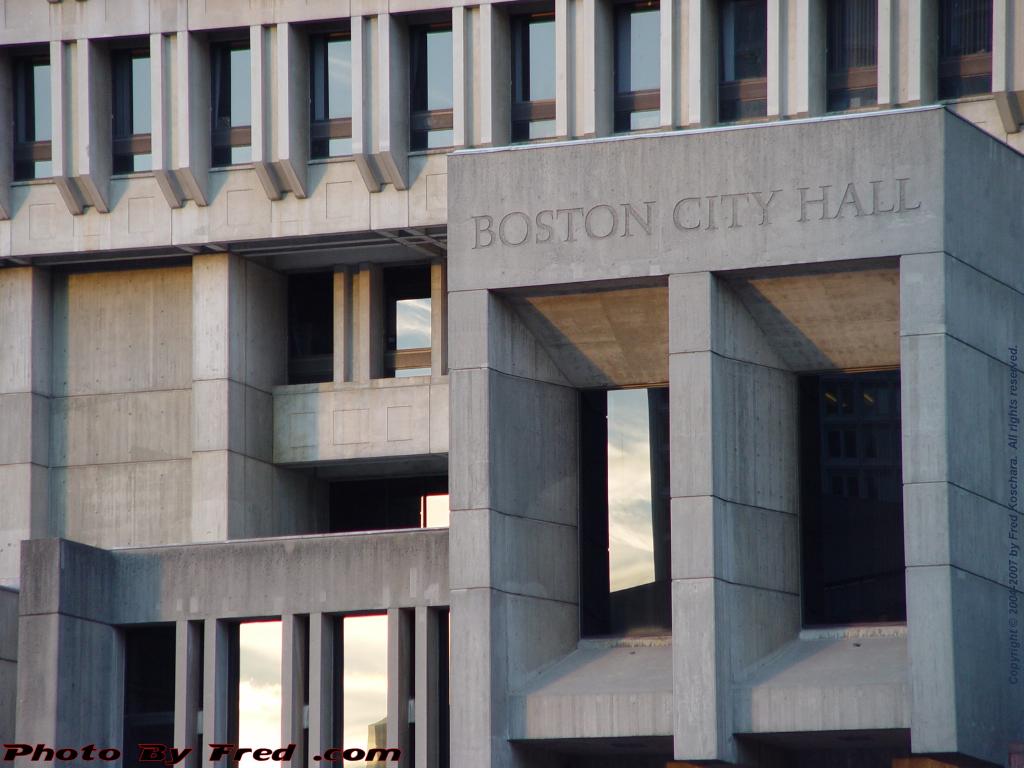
310 327
148 689
965 47
430 81
331 95
852 42
32 118
625 580
392 502
533 76
852 498
132 110
408 318
637 66
231 103
743 60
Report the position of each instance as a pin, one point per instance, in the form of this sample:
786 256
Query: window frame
627 103
743 90
35 150
397 287
956 73
325 129
422 121
525 111
126 144
842 83
226 137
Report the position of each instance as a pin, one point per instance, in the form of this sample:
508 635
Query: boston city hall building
477 384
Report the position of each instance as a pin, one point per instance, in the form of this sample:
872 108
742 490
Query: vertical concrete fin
292 127
364 99
93 126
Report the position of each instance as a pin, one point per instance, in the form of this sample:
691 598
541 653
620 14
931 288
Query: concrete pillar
161 83
324 671
368 323
438 318
810 85
597 44
188 674
265 100
888 52
292 123
365 95
734 532
220 643
777 58
565 70
392 80
295 684
462 76
672 63
62 105
92 135
702 62
921 37
400 657
343 323
192 112
513 483
426 652
496 72
25 358
960 333
6 135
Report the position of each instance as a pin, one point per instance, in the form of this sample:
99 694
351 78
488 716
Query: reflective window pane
41 125
439 69
412 323
744 40
339 78
241 110
32 119
542 60
430 87
141 106
364 681
644 51
259 686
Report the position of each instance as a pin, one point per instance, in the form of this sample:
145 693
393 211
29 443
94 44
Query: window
364 683
852 42
743 60
258 689
533 76
851 498
965 47
131 118
148 688
231 106
637 66
407 304
388 503
430 80
625 580
310 327
330 80
33 125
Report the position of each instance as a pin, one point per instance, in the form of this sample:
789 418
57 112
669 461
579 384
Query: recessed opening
310 327
148 688
408 321
386 503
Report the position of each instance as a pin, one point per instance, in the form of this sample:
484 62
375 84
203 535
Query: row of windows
965 66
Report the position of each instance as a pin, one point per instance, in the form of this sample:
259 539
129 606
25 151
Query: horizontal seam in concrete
68 615
12 661
117 463
737 360
515 376
957 339
26 392
969 572
520 517
258 389
983 273
735 584
735 502
515 594
20 463
119 394
966 490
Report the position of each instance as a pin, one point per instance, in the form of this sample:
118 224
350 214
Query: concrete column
292 124
192 112
462 76
368 323
672 59
427 701
596 41
25 358
400 657
960 333
513 483
220 643
343 323
92 133
496 73
295 684
734 531
62 104
392 78
262 87
323 677
6 135
777 61
438 318
565 70
921 37
702 62
364 98
161 83
888 52
809 98
188 673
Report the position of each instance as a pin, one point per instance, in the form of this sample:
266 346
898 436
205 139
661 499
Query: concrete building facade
334 319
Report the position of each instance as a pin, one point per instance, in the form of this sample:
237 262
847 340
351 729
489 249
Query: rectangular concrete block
24 428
